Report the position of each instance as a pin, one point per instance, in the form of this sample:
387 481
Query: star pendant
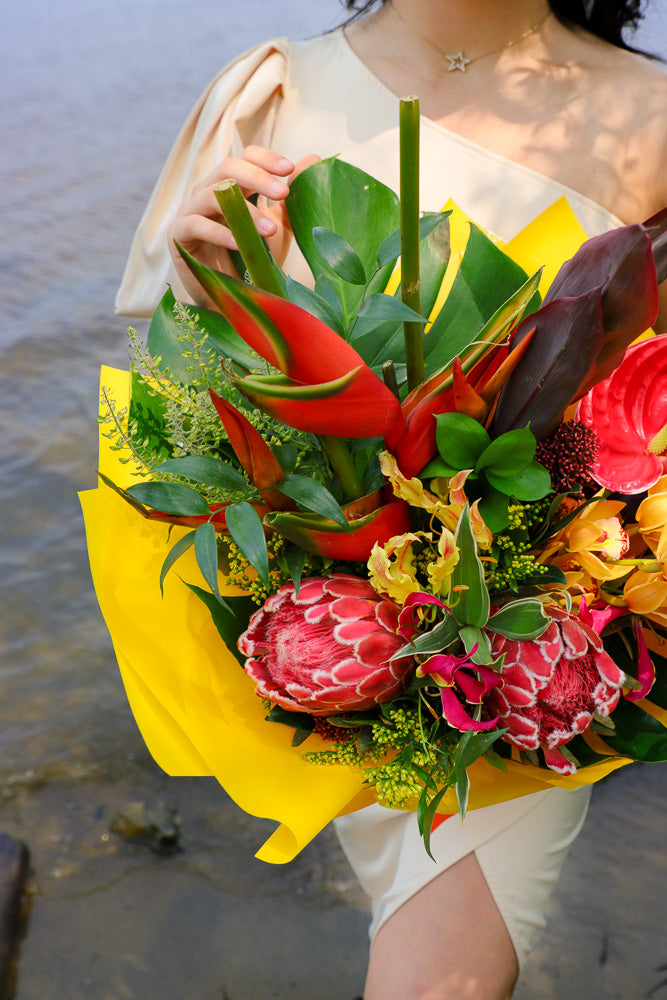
457 61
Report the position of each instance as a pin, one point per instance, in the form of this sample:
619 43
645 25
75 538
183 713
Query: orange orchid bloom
645 594
652 519
587 548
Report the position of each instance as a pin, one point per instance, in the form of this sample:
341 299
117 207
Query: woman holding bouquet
522 102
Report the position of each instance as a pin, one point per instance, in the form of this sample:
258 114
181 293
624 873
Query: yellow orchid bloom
591 542
652 519
452 489
646 594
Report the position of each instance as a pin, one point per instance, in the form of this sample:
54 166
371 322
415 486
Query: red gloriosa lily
461 681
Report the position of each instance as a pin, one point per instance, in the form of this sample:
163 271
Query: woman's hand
200 227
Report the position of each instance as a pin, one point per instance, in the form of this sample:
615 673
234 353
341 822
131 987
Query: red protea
552 686
327 650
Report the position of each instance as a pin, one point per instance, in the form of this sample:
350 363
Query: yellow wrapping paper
196 709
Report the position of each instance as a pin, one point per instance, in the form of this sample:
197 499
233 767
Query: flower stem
646 565
410 280
342 464
250 244
389 376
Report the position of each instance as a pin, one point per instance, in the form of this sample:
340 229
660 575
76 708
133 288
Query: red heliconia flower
552 686
628 413
325 386
327 650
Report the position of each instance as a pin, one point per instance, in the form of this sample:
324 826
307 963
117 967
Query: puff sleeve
239 107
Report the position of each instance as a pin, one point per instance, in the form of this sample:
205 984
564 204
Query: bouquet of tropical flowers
426 501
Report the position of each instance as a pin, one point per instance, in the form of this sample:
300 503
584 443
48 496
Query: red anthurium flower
628 413
328 649
326 388
461 681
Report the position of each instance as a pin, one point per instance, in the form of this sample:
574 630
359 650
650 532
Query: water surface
93 96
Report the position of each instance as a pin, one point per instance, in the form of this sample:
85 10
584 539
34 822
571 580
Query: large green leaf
385 342
522 619
390 250
469 601
206 470
531 483
638 734
246 529
486 279
460 440
206 552
387 308
176 551
339 255
435 640
170 498
510 452
351 203
315 304
313 496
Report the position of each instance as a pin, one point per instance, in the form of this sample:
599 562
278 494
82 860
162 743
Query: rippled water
93 94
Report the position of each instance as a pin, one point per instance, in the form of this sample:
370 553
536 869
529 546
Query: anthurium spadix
325 386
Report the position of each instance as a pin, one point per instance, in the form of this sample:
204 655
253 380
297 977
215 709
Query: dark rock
13 871
158 825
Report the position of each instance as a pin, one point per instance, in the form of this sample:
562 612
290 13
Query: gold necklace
457 60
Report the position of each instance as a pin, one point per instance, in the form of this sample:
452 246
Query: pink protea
552 686
327 650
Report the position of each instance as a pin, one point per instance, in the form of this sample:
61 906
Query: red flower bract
552 686
326 650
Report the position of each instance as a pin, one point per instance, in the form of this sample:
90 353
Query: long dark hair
605 18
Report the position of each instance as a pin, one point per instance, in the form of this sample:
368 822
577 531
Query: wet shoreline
95 97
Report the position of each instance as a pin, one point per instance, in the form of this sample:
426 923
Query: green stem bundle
410 279
341 462
250 244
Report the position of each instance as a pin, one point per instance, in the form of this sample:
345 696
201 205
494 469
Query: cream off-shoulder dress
318 97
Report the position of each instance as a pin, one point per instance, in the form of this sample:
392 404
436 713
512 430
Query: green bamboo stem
238 218
343 466
389 376
410 280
